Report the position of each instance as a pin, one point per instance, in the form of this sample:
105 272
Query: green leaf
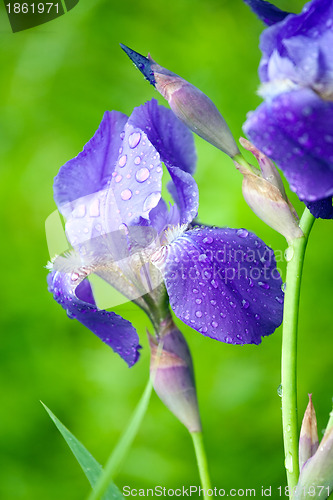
89 465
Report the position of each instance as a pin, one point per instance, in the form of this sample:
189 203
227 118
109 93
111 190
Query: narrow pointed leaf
89 465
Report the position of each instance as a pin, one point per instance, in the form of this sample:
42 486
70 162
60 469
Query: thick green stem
295 258
202 462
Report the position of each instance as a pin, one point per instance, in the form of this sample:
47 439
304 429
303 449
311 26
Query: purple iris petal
296 130
127 191
92 168
160 217
223 283
266 11
321 209
175 143
287 37
115 331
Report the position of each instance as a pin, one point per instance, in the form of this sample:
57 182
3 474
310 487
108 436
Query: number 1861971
38 8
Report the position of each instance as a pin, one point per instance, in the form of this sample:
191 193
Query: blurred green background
56 82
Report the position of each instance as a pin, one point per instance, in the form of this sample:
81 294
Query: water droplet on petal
245 304
214 324
279 390
264 285
208 239
198 314
134 139
126 194
233 304
137 160
242 233
151 201
123 228
94 208
142 174
213 302
79 210
203 329
195 290
122 161
118 178
257 316
74 276
198 301
279 300
214 284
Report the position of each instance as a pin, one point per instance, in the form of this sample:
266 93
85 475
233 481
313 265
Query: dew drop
214 324
74 276
198 314
198 301
203 329
122 227
232 304
94 208
134 139
151 201
208 239
213 302
79 211
142 174
280 391
264 285
242 233
126 194
289 253
118 178
214 284
122 161
195 290
279 300
257 316
137 160
245 304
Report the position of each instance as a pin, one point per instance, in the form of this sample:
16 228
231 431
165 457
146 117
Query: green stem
202 462
295 257
121 449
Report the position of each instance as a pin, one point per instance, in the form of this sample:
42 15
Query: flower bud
316 479
188 103
264 193
171 371
308 441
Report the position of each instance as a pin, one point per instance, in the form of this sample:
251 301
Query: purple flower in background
294 124
222 282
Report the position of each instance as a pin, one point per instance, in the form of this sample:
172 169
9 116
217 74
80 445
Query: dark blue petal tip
141 62
266 11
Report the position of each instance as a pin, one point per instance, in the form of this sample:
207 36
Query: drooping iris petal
296 130
321 209
175 143
78 301
223 283
266 11
90 171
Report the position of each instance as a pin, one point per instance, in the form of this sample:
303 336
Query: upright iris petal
294 124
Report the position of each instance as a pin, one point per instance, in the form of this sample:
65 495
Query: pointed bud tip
141 62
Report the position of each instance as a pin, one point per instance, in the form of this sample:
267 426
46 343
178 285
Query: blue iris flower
222 282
